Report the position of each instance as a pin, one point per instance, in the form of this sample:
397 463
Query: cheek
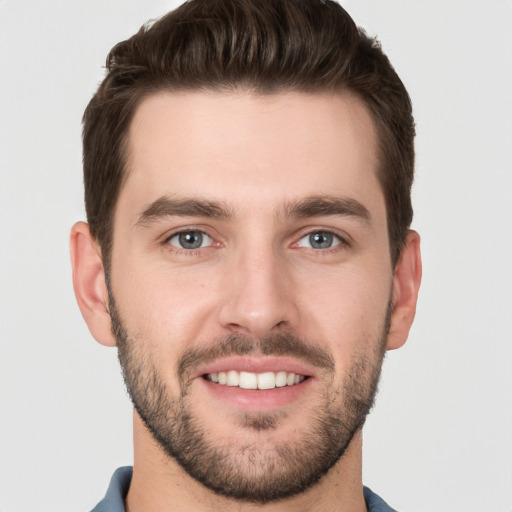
166 307
348 312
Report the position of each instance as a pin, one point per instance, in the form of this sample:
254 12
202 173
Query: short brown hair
266 46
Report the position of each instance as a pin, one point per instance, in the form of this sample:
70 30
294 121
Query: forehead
250 149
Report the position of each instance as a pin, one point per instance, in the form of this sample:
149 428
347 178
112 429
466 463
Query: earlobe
89 283
406 284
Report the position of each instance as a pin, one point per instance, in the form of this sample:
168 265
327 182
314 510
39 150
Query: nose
259 295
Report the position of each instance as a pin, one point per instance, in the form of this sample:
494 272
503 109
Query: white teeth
247 380
267 380
280 379
233 378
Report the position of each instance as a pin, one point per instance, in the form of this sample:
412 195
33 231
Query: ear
89 283
406 284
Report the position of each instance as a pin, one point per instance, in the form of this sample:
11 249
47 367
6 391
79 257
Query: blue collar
120 483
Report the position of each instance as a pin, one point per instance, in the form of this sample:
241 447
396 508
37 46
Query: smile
248 380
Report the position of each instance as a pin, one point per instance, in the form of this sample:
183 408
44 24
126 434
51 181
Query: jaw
160 483
257 438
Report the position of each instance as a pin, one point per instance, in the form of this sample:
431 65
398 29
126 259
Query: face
251 282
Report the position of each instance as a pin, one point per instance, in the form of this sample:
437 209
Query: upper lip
256 364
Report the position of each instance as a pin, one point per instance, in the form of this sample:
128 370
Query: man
247 170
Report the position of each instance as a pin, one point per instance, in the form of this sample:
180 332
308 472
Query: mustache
283 344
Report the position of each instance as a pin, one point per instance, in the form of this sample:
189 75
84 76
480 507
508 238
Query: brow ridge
167 206
312 206
316 206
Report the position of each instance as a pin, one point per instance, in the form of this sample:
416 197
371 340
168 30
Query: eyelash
182 250
342 242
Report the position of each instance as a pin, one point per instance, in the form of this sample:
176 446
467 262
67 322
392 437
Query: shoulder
375 503
116 492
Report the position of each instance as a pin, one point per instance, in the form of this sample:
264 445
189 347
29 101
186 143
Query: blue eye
190 240
319 240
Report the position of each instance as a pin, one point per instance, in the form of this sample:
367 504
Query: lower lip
256 398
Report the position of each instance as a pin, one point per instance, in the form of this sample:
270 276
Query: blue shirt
120 483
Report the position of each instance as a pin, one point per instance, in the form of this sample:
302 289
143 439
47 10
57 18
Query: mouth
256 383
262 390
249 380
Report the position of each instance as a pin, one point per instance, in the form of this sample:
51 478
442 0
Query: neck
159 483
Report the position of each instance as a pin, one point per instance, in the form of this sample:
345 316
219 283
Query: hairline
258 91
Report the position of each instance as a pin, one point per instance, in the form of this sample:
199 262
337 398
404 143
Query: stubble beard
253 472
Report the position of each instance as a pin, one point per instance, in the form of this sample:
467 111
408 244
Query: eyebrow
167 206
313 206
317 206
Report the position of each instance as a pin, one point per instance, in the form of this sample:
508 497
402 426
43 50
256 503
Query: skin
254 155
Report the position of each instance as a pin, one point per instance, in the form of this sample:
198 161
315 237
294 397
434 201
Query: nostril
238 329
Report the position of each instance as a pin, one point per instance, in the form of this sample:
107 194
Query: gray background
440 438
